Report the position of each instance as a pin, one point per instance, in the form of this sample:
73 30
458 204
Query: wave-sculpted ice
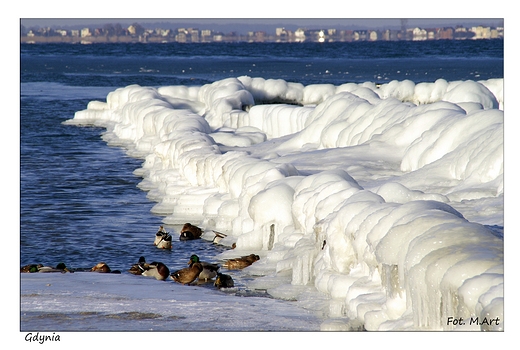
386 199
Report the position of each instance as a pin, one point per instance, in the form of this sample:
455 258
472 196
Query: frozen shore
101 302
387 200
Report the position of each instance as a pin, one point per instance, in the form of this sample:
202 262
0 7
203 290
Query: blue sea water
79 203
311 63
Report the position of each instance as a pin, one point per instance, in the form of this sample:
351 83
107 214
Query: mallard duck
159 235
139 268
103 268
218 237
188 274
208 270
59 268
30 268
224 281
157 270
165 242
240 263
189 232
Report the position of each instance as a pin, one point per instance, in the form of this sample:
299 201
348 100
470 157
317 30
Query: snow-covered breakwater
388 200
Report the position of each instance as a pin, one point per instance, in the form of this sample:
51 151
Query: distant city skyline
244 25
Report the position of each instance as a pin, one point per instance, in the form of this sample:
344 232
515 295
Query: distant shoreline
158 40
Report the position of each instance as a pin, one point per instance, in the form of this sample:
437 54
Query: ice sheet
85 301
361 192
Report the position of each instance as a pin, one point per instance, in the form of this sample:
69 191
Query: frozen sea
380 166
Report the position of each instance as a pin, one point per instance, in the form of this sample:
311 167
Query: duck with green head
208 270
30 268
139 268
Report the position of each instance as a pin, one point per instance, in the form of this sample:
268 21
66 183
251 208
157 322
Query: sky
239 14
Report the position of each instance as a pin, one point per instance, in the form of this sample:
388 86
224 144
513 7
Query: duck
139 268
218 237
208 270
159 235
157 270
240 263
30 268
224 281
165 242
189 232
103 268
188 274
59 268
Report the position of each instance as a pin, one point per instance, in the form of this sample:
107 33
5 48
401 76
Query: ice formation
357 190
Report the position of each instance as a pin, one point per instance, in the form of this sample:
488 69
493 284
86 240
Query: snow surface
114 302
386 200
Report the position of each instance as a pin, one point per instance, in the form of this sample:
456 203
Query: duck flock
197 270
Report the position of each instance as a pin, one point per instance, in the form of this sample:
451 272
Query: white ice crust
381 196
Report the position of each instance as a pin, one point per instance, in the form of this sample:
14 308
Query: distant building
346 35
320 36
419 34
446 33
374 35
181 36
390 35
460 33
299 35
205 35
481 32
432 33
360 35
260 36
280 32
85 32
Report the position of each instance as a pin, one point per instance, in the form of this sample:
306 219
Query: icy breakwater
351 190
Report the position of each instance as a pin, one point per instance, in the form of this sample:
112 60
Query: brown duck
240 263
189 232
188 274
103 268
